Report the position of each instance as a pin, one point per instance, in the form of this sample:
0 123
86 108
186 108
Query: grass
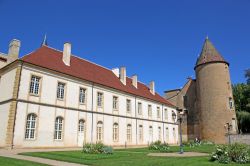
5 161
128 157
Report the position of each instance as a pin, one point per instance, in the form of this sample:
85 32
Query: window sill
35 95
82 103
60 99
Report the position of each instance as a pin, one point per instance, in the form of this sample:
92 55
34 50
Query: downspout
163 124
13 132
136 122
92 109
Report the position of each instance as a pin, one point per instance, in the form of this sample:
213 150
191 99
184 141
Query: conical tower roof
209 54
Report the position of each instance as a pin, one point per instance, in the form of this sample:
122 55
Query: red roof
52 59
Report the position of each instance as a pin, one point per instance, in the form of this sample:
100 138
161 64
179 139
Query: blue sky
157 40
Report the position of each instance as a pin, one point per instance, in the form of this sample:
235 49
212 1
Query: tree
247 75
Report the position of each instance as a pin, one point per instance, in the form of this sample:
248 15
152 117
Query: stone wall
240 138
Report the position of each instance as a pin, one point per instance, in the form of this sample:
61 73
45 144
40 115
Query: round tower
214 95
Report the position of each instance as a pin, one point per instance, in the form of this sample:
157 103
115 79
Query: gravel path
14 154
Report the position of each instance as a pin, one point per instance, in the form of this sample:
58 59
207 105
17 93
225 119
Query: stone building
51 98
208 99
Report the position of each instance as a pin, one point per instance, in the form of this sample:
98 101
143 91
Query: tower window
230 103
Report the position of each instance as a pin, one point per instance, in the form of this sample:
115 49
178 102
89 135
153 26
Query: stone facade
208 99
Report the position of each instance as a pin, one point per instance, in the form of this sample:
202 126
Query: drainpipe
163 129
92 109
136 122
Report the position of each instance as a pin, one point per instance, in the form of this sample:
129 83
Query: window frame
58 128
29 129
60 95
139 108
115 132
128 106
115 103
35 84
101 99
99 131
129 133
82 101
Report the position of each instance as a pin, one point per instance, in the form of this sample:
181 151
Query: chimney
134 81
123 75
66 53
152 87
14 48
116 71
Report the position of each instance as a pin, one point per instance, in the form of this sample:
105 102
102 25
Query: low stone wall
240 138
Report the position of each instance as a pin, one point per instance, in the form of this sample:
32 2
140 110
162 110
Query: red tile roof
52 59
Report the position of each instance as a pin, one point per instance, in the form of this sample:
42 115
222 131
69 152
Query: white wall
72 111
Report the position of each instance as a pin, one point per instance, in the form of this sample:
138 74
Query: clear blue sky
157 40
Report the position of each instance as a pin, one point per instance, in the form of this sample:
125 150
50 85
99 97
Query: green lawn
130 157
5 161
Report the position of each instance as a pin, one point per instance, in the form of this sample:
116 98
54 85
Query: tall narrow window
174 134
99 99
139 109
149 111
99 133
166 114
158 112
129 133
58 128
141 133
159 133
230 103
81 126
150 134
34 85
30 126
128 106
115 132
60 90
167 134
115 103
82 96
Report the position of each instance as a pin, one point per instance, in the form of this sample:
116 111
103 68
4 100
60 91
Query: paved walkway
14 154
185 154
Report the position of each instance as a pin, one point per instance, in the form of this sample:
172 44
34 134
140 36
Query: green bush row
97 148
238 153
162 147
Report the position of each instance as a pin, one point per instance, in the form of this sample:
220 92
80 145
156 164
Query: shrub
231 153
162 147
97 148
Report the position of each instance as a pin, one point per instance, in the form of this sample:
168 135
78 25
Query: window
174 116
34 85
174 134
128 106
151 133
30 126
149 111
115 103
230 103
140 133
115 132
82 96
58 128
81 126
158 112
159 133
139 109
99 99
129 133
166 114
99 132
167 134
60 90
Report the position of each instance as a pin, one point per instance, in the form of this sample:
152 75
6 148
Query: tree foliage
247 75
241 94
